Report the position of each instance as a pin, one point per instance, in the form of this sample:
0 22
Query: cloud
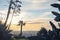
23 16
36 7
3 14
30 5
35 1
45 16
3 11
58 2
26 16
37 4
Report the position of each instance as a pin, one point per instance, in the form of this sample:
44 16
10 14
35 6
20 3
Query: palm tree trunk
21 31
8 14
10 21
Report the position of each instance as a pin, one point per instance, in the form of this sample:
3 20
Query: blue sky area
31 9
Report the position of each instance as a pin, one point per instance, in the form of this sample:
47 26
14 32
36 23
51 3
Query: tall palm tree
11 7
57 19
8 14
21 23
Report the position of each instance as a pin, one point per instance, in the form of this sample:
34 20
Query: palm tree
14 10
56 5
21 23
8 13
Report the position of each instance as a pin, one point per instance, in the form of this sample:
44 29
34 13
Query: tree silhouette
21 23
56 5
15 8
57 19
53 34
4 34
42 34
53 26
56 31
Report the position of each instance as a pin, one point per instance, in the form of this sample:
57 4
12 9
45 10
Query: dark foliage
56 6
4 34
57 16
43 34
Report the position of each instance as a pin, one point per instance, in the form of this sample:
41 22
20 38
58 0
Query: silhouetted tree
53 26
4 33
57 16
42 34
56 31
53 34
15 8
21 23
56 5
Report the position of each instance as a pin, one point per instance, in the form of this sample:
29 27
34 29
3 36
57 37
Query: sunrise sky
30 10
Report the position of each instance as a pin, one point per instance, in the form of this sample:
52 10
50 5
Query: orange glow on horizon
31 27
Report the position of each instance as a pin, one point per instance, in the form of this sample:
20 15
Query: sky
30 10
